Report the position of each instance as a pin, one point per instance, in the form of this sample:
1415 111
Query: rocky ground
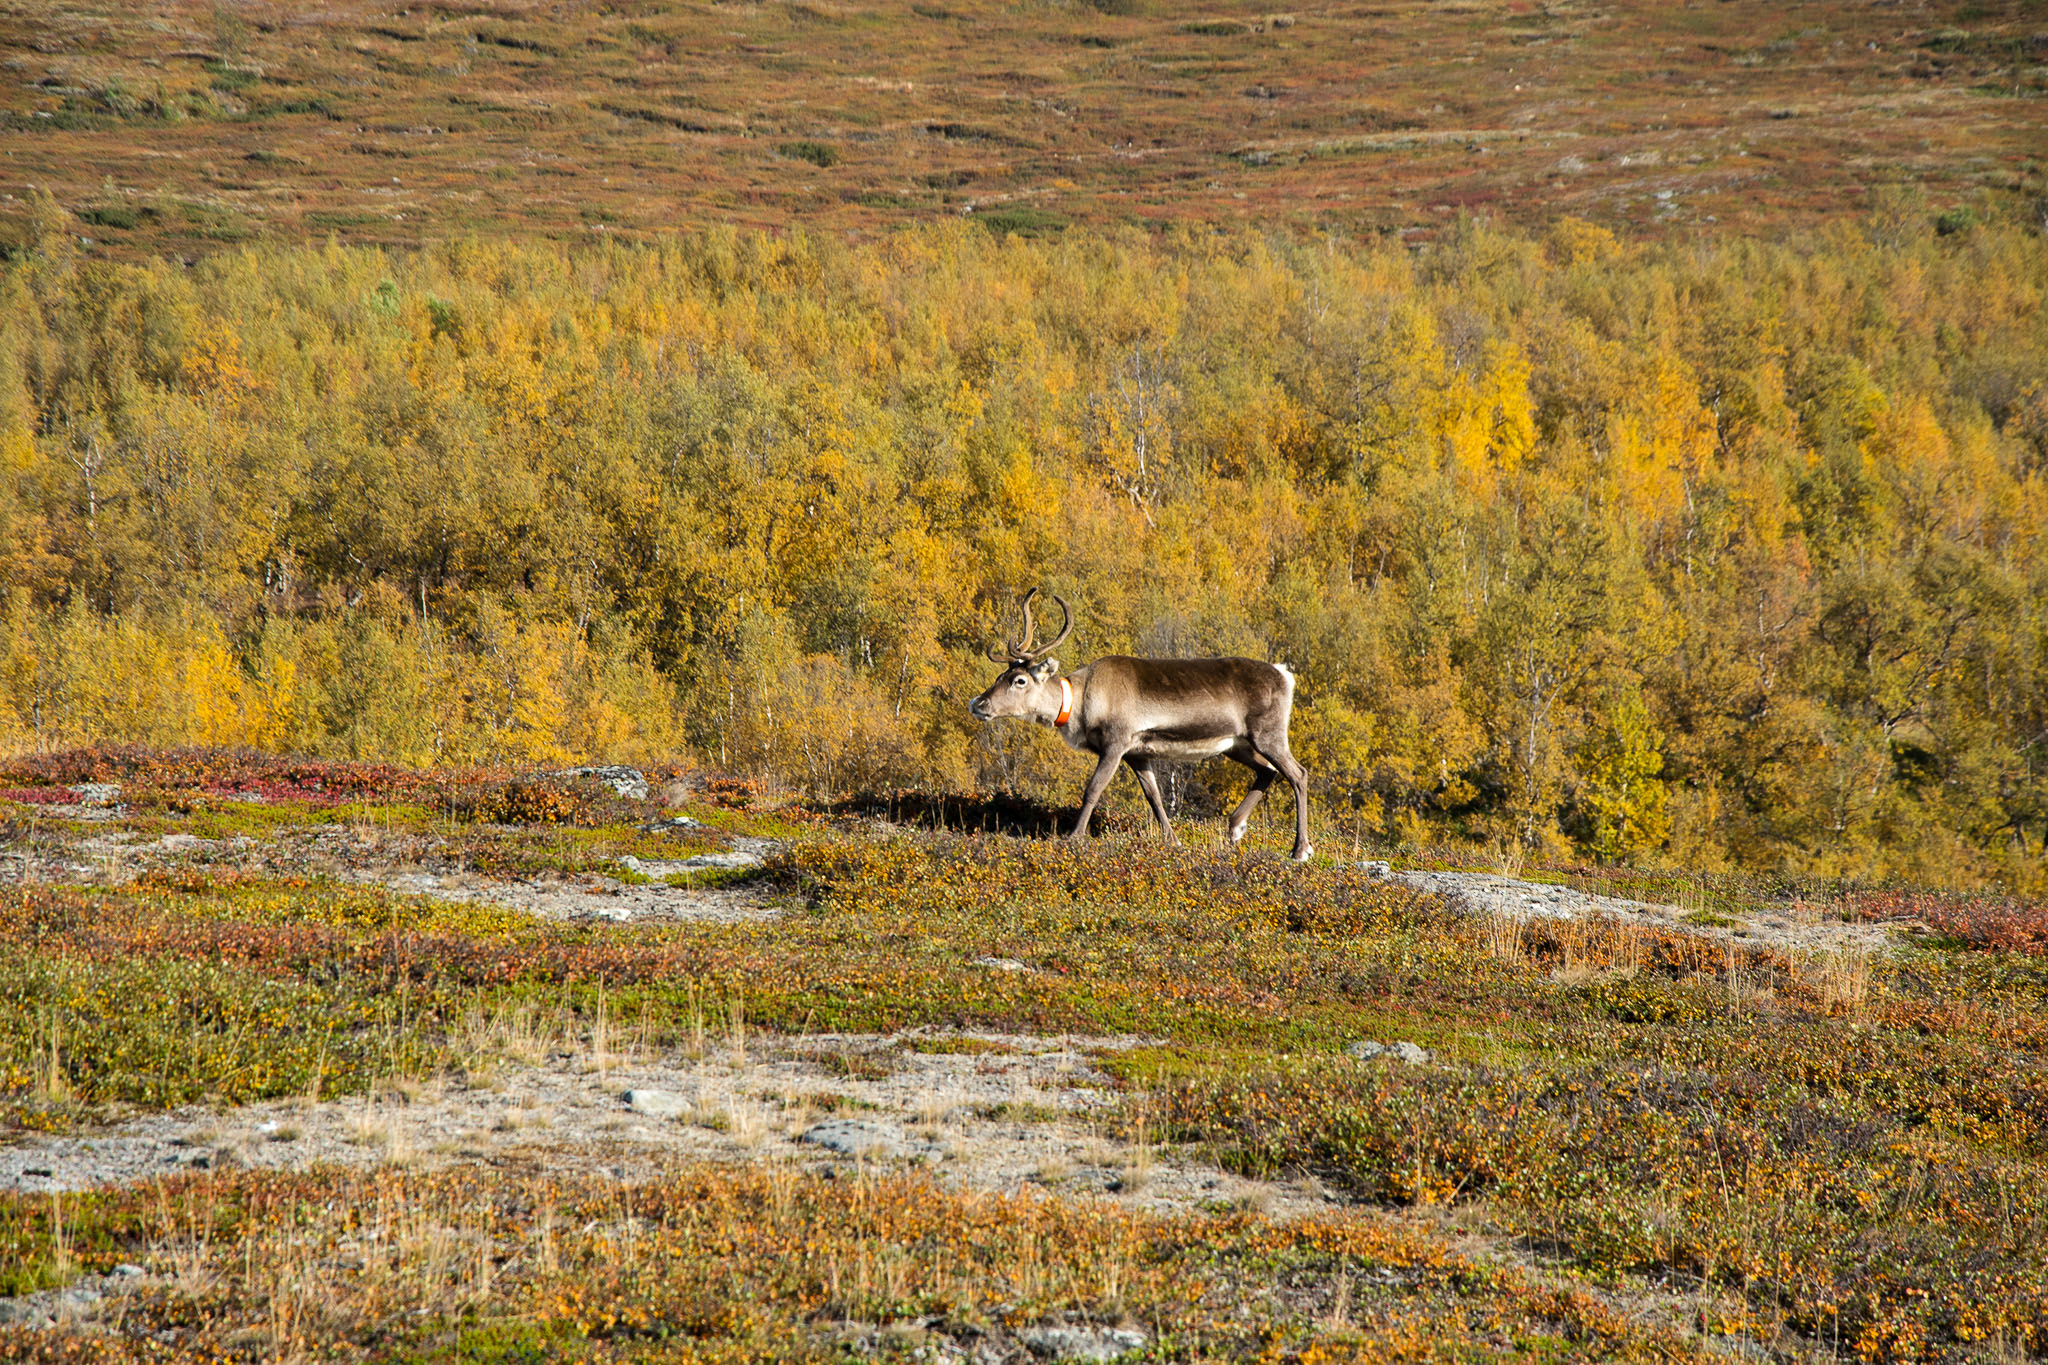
651 890
979 1111
1787 929
984 1111
658 890
1007 1113
593 896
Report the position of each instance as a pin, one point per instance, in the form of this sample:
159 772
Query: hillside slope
186 126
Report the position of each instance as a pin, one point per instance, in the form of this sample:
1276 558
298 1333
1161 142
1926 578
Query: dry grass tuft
1502 934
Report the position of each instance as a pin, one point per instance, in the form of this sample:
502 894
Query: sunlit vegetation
1827 1150
1722 555
1630 422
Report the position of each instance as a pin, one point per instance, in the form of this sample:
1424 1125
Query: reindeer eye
1019 682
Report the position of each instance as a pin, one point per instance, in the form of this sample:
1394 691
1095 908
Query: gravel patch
78 1303
1493 894
411 866
1081 1343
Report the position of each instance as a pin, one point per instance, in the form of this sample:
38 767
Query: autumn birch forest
1726 553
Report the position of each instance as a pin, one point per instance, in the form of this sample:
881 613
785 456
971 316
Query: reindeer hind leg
1297 777
1263 774
1270 741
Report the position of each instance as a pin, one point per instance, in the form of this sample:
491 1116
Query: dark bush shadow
976 813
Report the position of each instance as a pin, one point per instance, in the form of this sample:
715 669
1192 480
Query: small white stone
660 1104
1081 1343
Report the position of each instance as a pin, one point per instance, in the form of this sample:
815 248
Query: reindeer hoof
1303 854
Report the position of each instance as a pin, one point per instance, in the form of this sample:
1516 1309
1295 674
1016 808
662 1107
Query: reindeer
1132 711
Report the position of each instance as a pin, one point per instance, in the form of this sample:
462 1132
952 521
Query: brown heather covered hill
181 126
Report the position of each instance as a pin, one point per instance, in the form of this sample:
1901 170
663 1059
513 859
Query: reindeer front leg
1098 783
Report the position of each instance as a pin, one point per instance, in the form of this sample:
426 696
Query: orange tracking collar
1066 703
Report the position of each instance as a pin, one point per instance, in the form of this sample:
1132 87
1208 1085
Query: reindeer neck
1078 682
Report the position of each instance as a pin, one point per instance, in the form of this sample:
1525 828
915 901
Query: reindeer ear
1045 669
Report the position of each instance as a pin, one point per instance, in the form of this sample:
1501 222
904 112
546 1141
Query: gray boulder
739 857
852 1137
1081 1343
1399 1052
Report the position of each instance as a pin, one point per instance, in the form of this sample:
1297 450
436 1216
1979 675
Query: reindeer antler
1009 651
1026 649
1066 629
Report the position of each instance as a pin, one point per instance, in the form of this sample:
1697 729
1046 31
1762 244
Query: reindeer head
1026 687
